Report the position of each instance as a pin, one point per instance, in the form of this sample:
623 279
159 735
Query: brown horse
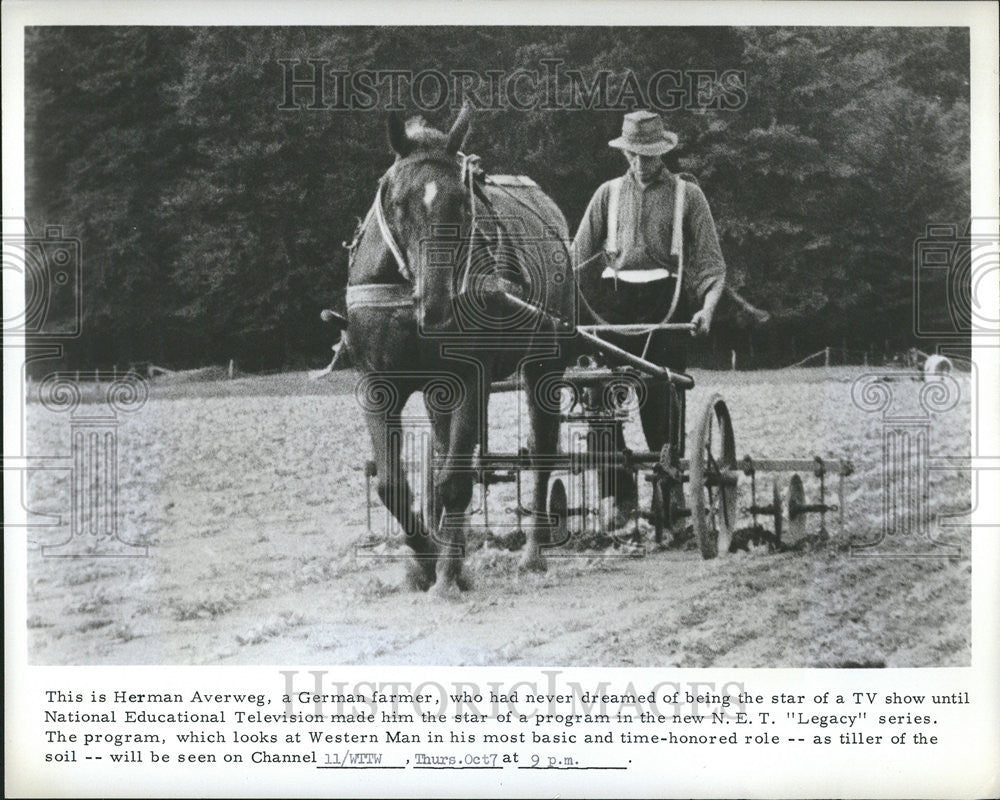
426 312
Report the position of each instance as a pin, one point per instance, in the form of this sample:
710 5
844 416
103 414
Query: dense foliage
212 220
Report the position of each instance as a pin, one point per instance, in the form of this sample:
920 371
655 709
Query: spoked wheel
714 480
558 508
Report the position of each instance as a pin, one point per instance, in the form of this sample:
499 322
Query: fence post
733 359
827 355
230 369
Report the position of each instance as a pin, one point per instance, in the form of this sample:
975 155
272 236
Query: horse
429 272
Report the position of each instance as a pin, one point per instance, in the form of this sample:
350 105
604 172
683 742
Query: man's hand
703 319
702 322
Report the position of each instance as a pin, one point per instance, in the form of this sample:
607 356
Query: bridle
396 295
387 235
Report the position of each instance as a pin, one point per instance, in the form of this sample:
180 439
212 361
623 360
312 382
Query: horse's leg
544 441
454 492
395 493
440 429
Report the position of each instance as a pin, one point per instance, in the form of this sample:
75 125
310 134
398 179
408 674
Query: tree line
212 210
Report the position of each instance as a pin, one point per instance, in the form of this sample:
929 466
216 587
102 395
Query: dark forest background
211 221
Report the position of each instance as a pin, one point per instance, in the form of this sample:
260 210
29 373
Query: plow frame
711 473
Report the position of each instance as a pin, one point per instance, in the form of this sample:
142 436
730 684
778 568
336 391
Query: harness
395 295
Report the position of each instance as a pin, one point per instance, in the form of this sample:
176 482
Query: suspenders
611 244
676 240
677 235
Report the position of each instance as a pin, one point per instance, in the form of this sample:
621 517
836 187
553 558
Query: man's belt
637 275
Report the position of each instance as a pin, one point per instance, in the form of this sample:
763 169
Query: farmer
627 256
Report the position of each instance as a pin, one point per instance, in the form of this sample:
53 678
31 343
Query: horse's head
427 209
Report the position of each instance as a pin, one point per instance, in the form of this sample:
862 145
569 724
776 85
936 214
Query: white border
970 769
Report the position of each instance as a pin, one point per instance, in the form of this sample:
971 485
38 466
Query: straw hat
643 133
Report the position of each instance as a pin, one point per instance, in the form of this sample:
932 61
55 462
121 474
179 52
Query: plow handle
759 314
678 378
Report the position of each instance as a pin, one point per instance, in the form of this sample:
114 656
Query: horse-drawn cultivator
604 389
458 277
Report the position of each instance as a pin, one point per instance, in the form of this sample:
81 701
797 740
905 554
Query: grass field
249 494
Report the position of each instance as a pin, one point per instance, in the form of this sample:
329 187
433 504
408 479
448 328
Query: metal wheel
714 480
796 499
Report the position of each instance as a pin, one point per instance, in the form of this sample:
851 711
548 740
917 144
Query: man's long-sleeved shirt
645 225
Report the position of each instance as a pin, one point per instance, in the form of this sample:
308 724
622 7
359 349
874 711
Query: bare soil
250 497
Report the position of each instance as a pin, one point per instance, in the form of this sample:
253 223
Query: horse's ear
398 140
458 132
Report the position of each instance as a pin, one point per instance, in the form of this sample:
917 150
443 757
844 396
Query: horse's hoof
532 562
615 517
445 590
420 574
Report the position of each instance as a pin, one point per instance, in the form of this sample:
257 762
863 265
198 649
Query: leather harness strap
379 295
390 240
